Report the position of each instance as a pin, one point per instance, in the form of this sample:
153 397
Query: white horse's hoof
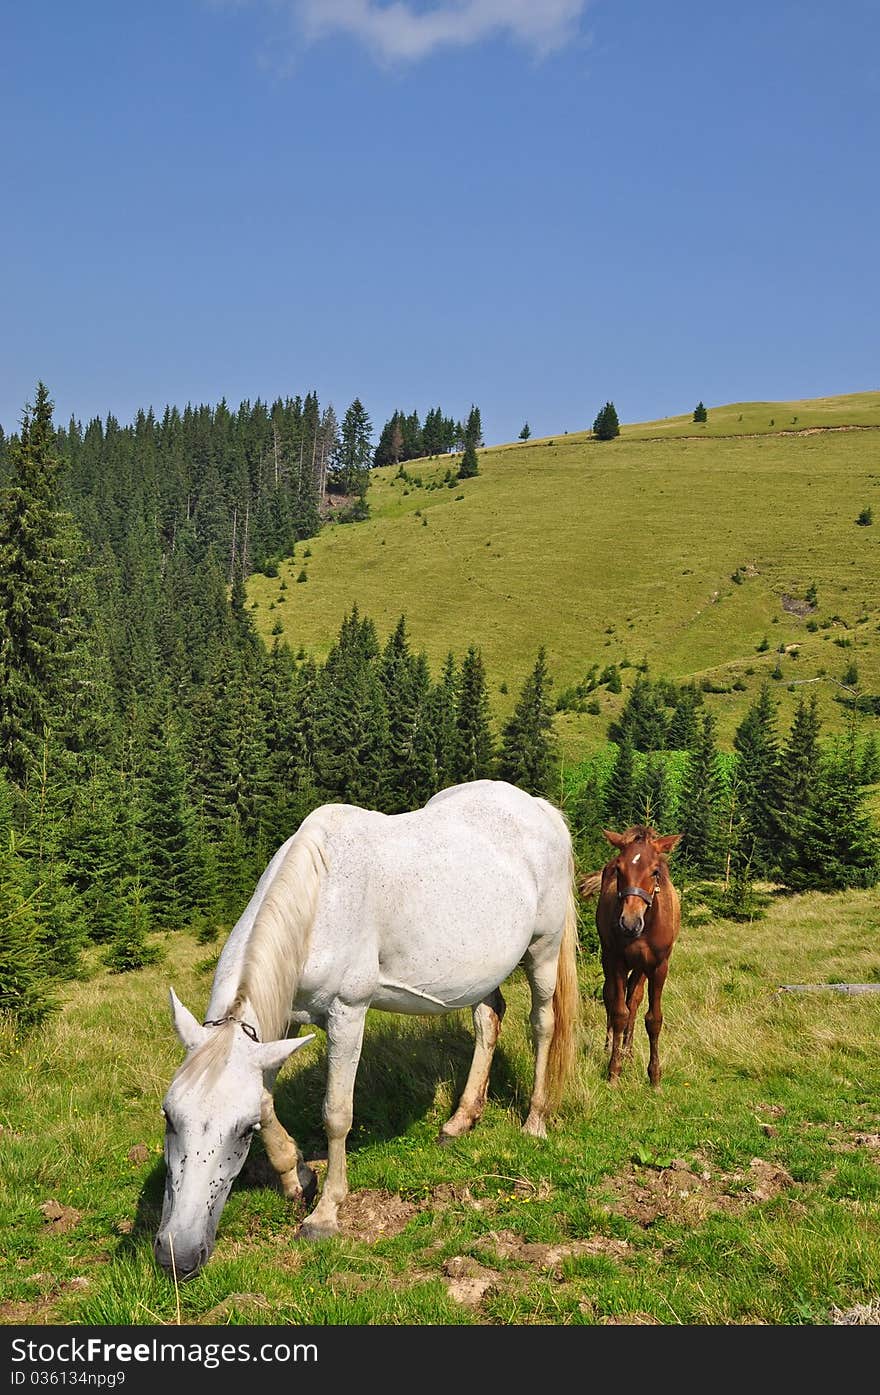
535 1127
317 1230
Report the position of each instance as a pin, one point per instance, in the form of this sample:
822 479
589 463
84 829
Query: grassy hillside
746 1191
624 550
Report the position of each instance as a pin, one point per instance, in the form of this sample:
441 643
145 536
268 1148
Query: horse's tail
566 1005
590 884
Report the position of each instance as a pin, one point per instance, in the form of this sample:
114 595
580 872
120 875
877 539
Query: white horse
425 912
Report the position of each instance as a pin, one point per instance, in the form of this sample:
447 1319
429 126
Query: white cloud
400 32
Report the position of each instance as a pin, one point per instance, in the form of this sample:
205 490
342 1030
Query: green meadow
745 1191
687 546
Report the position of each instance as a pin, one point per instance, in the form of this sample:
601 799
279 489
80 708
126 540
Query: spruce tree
836 840
526 432
26 989
129 946
528 749
170 865
474 756
37 545
606 425
655 795
700 803
700 413
473 432
352 463
758 779
621 797
643 718
443 718
470 465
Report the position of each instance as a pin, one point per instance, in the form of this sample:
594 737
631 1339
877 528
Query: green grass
619 551
748 1074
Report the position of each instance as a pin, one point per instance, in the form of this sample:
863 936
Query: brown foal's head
639 869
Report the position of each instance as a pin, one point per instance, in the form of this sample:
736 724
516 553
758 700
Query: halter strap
647 897
246 1027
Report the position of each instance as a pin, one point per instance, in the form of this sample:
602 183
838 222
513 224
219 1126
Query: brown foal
638 917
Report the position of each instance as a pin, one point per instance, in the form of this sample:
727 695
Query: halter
246 1027
647 897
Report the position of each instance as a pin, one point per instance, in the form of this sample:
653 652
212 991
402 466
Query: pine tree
837 840
588 814
700 802
869 764
26 990
528 750
473 432
474 745
526 432
621 797
171 869
470 465
606 425
643 718
443 708
129 947
37 545
655 795
682 731
757 770
700 413
352 464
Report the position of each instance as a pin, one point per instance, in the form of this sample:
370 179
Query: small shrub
865 518
303 576
763 646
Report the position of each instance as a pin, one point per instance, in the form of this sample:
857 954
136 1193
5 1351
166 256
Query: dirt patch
240 1304
60 1218
468 1281
851 1141
646 1195
549 1258
860 1315
138 1154
796 605
370 1216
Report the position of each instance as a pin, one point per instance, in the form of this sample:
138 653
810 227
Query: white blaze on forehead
637 856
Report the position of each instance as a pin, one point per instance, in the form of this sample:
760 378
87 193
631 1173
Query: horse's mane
278 943
209 1058
639 833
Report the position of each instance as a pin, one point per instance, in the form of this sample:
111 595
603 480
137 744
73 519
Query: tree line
404 437
784 809
154 752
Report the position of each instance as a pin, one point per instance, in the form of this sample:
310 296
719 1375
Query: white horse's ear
271 1055
191 1032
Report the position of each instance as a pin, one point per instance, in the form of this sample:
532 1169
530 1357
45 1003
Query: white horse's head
212 1110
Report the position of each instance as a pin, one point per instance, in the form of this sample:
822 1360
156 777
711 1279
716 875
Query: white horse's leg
345 1035
487 1026
540 967
297 1179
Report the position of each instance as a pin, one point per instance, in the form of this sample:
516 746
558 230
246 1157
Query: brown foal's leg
634 992
614 993
654 1018
487 1026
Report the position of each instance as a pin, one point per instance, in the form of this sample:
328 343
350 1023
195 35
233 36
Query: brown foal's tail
566 1007
590 884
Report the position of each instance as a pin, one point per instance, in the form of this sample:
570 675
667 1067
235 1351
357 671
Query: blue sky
534 205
